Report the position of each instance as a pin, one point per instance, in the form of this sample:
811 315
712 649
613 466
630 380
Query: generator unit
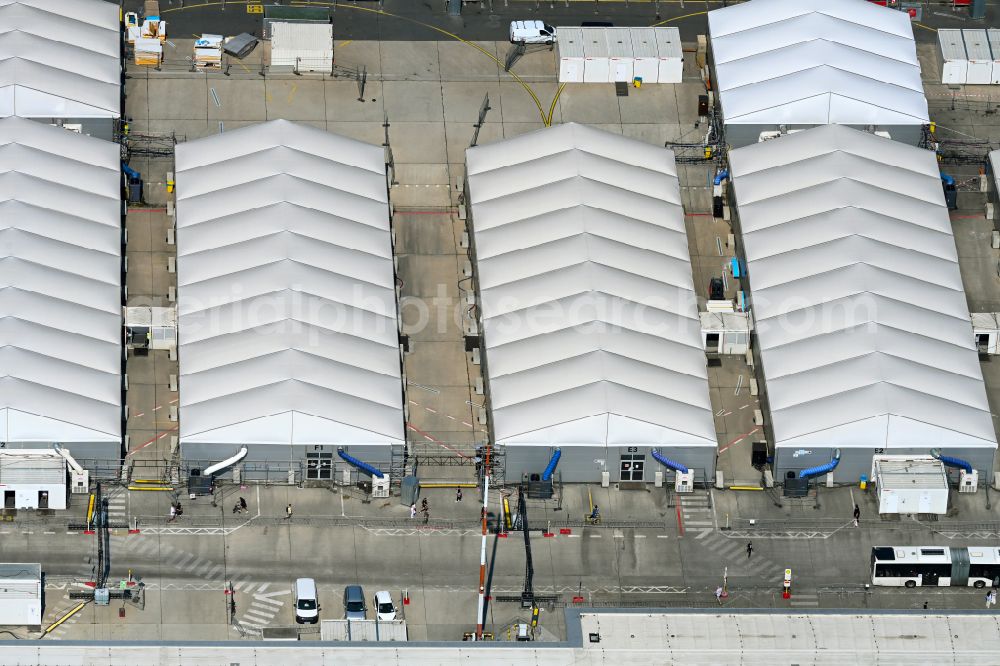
684 482
380 487
968 482
79 482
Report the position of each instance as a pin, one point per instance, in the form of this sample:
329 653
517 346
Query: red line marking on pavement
431 439
680 521
150 441
737 440
968 217
423 212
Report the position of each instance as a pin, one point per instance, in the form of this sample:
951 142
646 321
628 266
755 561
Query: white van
531 32
306 602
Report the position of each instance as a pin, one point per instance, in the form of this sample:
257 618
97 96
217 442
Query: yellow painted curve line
534 97
552 108
925 27
678 18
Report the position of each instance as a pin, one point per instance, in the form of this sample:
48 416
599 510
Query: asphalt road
423 20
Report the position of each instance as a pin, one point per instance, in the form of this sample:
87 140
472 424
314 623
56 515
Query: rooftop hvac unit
380 487
968 482
79 482
684 482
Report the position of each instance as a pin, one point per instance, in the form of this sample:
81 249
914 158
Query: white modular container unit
620 54
993 36
955 63
671 55
303 47
977 49
569 41
597 66
646 58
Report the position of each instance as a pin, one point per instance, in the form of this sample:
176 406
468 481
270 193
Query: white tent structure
862 324
60 60
286 296
588 311
816 62
60 290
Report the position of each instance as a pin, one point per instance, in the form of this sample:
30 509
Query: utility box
684 482
380 487
658 479
968 482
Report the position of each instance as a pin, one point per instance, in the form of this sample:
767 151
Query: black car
716 290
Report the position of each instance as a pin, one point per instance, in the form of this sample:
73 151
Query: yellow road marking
552 108
343 44
678 18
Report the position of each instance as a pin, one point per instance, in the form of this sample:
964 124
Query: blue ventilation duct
952 462
667 462
551 467
130 172
821 469
723 175
363 466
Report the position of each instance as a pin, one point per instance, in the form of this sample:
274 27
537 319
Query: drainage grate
621 89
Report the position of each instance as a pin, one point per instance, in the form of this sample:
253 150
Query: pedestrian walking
857 514
243 504
427 515
749 549
925 605
458 495
991 598
718 594
173 514
413 511
288 511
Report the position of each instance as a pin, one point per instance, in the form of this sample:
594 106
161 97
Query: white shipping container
646 58
977 49
597 66
671 55
620 54
993 36
569 41
955 67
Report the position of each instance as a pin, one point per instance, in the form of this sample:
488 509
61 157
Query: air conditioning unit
684 482
79 482
968 482
380 487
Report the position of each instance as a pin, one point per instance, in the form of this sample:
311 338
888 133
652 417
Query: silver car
354 603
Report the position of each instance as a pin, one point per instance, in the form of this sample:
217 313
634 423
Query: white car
531 32
383 606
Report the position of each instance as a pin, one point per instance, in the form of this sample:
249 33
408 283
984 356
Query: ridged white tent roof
60 285
590 319
60 59
286 290
862 320
816 62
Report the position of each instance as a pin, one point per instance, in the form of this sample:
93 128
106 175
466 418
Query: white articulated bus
909 566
